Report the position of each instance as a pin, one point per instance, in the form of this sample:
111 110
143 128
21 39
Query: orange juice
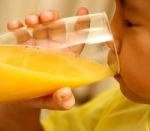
29 72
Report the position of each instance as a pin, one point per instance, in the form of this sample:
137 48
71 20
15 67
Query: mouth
118 77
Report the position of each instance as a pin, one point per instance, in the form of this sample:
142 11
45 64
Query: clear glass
36 61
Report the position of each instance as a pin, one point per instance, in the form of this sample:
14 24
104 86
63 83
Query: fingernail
83 11
65 95
14 23
69 104
33 19
46 16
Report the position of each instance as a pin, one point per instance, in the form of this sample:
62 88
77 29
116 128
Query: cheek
135 65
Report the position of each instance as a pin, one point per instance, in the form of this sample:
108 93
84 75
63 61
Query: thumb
62 99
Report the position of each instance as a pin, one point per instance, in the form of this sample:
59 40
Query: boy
110 111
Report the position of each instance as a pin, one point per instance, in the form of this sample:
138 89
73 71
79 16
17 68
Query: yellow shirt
110 111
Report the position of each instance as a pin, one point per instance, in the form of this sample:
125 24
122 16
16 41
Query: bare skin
24 116
131 29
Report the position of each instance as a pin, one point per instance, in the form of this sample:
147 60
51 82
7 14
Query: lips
118 77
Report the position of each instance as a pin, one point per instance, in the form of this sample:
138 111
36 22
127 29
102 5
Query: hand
50 36
62 99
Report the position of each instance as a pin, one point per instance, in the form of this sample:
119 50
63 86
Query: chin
129 94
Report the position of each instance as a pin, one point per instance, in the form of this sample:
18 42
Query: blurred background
18 9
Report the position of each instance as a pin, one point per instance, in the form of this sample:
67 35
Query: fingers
38 22
82 23
41 18
14 24
40 31
16 27
48 35
62 99
82 11
32 20
54 31
80 34
57 33
49 16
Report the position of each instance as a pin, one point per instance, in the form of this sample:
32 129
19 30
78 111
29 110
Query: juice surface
27 72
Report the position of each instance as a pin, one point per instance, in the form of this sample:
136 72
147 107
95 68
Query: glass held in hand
72 32
89 29
47 57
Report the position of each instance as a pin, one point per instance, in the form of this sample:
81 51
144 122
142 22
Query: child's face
131 29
